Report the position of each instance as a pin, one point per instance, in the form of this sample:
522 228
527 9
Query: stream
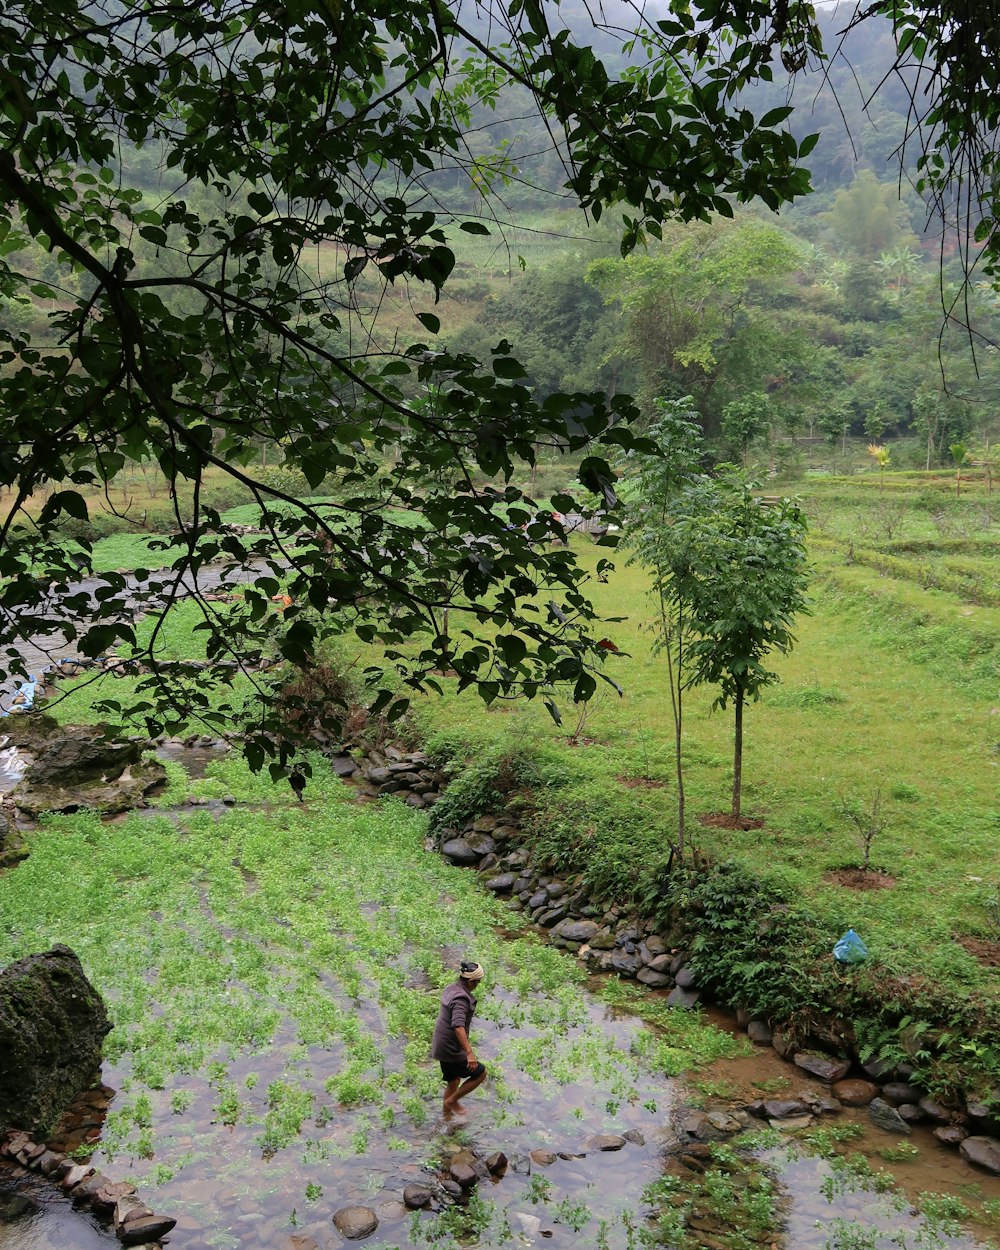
258 1151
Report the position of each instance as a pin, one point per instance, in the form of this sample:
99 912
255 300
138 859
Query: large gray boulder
52 1026
81 766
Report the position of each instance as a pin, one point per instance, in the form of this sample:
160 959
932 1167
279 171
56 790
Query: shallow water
51 1223
229 1193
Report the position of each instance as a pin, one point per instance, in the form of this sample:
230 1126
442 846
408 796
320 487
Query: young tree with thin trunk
662 485
744 586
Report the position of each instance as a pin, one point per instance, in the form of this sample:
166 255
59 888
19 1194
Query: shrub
750 945
482 785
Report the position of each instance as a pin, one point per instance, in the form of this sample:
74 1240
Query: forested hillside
847 314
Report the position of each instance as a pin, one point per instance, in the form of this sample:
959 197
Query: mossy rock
52 1027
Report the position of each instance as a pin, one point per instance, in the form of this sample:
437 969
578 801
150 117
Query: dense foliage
198 193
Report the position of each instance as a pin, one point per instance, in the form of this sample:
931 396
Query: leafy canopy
207 195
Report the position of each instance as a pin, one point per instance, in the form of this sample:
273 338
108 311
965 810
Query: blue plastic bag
850 949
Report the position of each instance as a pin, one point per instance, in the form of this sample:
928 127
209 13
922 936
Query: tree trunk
678 734
674 678
738 755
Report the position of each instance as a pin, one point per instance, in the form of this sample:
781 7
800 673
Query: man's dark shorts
452 1071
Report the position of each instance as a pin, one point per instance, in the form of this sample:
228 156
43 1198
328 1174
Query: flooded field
274 970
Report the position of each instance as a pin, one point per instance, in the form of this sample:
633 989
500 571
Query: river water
272 1176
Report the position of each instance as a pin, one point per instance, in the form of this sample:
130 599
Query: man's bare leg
453 1100
449 1095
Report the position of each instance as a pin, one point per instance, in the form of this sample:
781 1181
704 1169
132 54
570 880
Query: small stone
854 1093
897 1092
824 1066
74 1176
685 978
724 1122
88 1187
576 930
887 1117
530 1224
229 800
128 1206
552 915
461 853
106 1198
655 980
655 944
686 999
934 1111
14 1207
496 1163
49 1161
782 1044
792 1123
146 1228
543 1158
355 1222
501 884
605 1141
463 1174
911 1113
417 1196
782 1108
634 1136
625 964
759 1033
951 1134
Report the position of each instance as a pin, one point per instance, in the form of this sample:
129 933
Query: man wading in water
460 1069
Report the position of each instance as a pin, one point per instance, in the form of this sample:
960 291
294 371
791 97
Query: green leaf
429 321
773 116
260 203
508 367
807 144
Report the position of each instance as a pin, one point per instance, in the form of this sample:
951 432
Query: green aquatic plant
539 1189
826 1140
573 1213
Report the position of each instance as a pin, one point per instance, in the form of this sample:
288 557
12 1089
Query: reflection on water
35 1215
839 1206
